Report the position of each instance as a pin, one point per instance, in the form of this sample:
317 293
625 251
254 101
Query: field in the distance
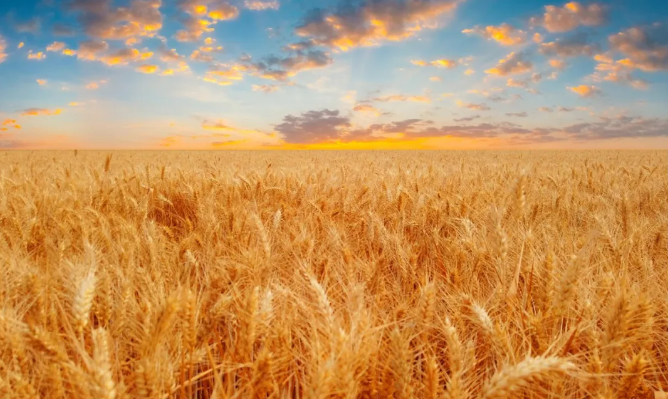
333 274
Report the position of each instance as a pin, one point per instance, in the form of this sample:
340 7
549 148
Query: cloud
90 49
369 23
282 68
468 119
148 69
257 5
40 111
181 67
265 88
100 20
42 82
224 75
170 55
514 63
476 107
545 109
517 83
619 127
95 85
558 64
400 97
121 56
469 72
20 46
10 123
444 63
312 126
565 109
60 29
31 26
572 46
76 104
504 34
216 144
3 48
538 38
202 15
223 11
55 46
645 48
367 108
517 114
618 72
585 90
219 125
570 16
435 79
36 56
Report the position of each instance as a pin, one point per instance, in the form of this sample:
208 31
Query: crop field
455 275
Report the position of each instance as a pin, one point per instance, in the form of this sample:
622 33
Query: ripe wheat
454 275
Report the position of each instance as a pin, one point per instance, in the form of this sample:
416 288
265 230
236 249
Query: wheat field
333 274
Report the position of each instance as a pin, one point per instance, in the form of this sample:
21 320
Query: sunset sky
272 74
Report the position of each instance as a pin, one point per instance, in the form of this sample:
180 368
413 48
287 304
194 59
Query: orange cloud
9 122
36 56
618 72
514 63
69 52
217 144
436 79
121 57
558 64
504 34
182 67
476 107
41 82
148 68
95 85
517 83
76 104
257 5
197 23
90 49
3 48
55 46
225 74
570 16
100 20
538 38
419 63
401 97
444 63
371 23
644 48
40 111
366 108
265 88
223 12
20 45
585 90
469 72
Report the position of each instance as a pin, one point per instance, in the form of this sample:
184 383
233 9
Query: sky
333 74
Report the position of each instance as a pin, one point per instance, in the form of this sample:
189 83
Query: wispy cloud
40 111
504 34
585 90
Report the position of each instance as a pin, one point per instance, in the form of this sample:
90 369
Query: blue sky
209 74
